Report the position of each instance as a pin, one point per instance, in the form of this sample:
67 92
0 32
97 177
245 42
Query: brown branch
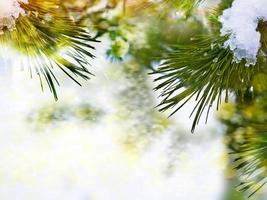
124 6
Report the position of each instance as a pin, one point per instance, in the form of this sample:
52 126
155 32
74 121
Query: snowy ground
131 152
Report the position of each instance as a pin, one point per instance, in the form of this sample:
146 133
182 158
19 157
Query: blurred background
106 140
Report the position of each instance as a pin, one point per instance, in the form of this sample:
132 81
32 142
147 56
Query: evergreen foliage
49 38
195 63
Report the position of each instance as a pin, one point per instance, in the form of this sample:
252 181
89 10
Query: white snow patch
240 23
10 10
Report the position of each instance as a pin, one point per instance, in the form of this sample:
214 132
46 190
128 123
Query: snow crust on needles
10 10
240 23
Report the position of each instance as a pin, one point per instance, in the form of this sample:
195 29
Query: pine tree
202 57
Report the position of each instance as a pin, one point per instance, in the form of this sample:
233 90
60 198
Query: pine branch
50 39
164 6
185 5
246 135
204 71
251 157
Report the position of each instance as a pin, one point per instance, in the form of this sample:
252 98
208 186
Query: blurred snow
74 160
10 10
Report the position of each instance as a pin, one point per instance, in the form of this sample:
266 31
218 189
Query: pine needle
204 71
50 39
251 157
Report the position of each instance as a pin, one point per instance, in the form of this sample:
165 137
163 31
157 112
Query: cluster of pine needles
203 70
49 39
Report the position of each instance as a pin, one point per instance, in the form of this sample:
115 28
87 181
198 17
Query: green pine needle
185 5
251 159
203 70
50 39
